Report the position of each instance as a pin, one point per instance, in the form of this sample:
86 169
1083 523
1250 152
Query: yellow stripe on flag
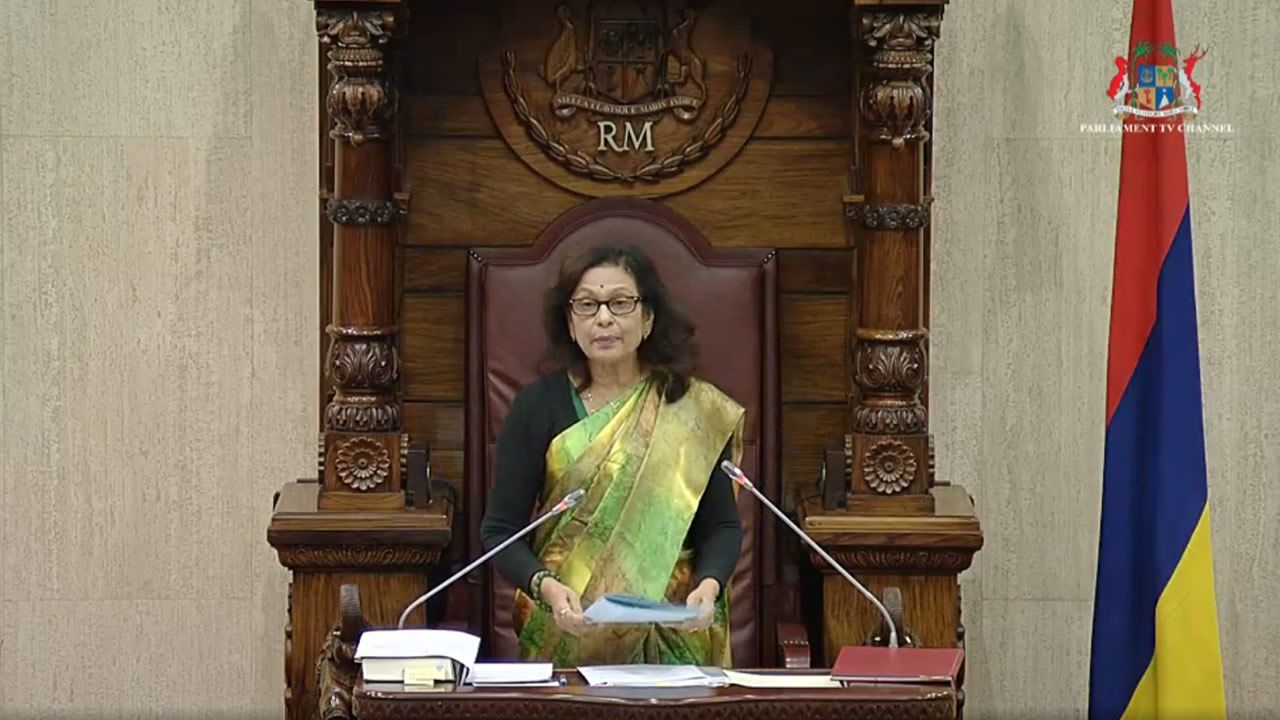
1184 679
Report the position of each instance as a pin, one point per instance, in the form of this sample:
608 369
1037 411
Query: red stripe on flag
1153 199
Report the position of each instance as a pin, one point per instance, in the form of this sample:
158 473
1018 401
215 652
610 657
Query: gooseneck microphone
569 501
740 477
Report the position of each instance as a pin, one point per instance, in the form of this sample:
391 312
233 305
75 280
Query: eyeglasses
586 307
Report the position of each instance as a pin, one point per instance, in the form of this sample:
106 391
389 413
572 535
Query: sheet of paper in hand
630 609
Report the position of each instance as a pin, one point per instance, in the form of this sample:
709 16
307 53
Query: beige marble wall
1022 273
158 274
159 279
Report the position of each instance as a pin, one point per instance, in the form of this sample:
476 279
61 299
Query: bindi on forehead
606 288
606 281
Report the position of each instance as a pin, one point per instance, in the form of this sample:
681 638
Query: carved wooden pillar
362 447
353 525
899 530
888 423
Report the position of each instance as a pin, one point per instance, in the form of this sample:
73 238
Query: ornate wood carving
334 557
289 709
336 668
613 97
362 464
363 212
362 420
889 369
896 103
890 208
890 420
903 560
363 359
587 164
901 216
361 99
890 363
361 413
889 467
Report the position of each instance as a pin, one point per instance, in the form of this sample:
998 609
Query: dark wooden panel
784 117
471 192
811 44
930 601
432 352
815 271
807 430
447 465
434 269
440 425
776 193
818 117
476 192
445 40
810 40
813 338
448 115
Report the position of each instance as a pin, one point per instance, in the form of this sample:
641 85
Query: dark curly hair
669 352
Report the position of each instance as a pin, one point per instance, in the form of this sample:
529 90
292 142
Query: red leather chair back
729 294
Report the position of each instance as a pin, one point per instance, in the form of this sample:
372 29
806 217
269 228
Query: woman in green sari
625 420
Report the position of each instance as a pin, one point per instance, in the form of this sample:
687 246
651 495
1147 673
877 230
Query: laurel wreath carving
582 163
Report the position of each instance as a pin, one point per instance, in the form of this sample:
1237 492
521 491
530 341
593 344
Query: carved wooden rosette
362 447
890 460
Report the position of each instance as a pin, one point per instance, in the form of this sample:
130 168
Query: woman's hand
703 597
566 606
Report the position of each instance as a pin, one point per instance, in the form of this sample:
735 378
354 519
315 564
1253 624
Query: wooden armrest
793 645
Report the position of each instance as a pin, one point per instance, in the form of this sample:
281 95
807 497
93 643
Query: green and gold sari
644 464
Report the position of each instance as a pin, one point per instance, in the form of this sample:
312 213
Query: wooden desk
385 701
386 554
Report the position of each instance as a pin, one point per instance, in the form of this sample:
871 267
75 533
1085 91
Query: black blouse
539 413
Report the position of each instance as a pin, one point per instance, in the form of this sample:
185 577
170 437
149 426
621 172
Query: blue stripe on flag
1154 487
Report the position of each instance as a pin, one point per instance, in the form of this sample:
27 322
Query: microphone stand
569 501
740 477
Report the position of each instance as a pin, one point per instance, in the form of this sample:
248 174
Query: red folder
860 663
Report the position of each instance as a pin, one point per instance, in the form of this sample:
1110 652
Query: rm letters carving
626 97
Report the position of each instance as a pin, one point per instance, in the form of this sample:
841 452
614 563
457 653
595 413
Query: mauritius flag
1155 650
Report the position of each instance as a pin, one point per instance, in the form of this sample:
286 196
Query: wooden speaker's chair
730 296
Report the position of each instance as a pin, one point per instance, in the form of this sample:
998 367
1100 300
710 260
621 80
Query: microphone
569 501
740 477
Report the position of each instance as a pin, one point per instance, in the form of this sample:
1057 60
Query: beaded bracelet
535 587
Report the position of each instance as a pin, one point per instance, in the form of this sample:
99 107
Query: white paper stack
649 676
385 654
781 680
516 674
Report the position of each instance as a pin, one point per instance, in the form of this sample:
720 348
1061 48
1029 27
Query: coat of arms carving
626 97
